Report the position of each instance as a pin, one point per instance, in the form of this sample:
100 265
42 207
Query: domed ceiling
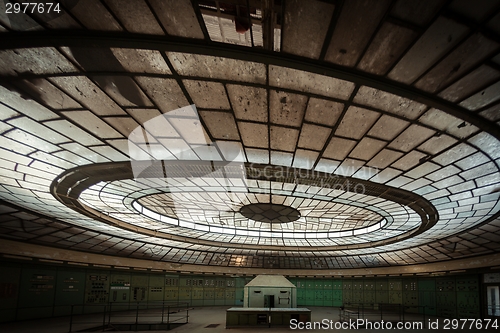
322 135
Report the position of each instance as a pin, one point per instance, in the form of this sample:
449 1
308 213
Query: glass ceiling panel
216 213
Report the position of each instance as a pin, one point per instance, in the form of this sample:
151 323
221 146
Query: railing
381 311
128 316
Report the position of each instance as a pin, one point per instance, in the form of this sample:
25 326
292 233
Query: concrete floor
199 318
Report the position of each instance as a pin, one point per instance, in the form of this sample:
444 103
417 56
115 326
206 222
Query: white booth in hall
270 291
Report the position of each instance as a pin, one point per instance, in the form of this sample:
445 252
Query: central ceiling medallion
270 213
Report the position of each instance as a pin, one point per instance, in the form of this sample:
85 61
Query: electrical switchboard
410 295
446 298
139 287
70 291
54 291
369 292
156 288
9 292
119 291
97 288
467 291
37 287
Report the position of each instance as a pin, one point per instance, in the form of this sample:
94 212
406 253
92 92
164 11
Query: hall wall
30 291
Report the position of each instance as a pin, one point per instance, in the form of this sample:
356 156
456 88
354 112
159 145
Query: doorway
269 301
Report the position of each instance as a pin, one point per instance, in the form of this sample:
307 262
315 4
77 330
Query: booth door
269 301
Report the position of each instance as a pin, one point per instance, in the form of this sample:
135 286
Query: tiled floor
199 319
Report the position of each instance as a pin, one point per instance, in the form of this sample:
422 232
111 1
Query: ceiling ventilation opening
250 23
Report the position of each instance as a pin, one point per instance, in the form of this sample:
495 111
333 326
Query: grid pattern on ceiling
455 166
104 202
223 209
17 224
68 120
457 173
220 225
447 49
87 191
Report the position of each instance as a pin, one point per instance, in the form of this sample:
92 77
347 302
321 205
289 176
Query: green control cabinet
36 291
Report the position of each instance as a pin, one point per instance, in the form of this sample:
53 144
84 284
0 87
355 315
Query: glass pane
493 301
